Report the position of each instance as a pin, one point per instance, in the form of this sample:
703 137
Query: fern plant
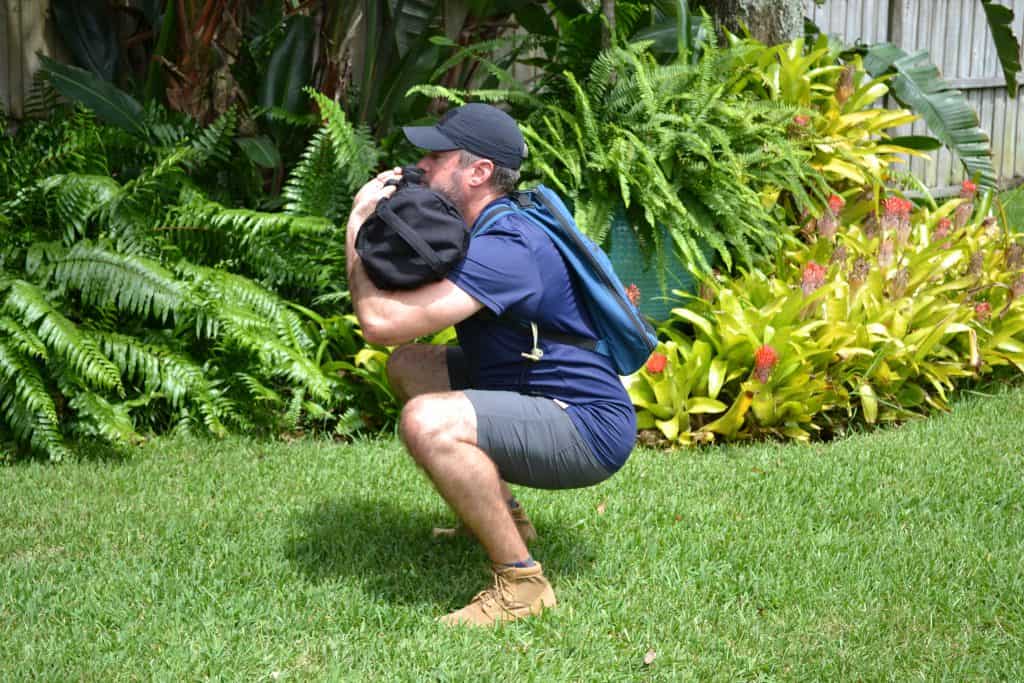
678 149
135 299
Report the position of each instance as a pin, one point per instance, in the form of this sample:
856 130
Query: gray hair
503 179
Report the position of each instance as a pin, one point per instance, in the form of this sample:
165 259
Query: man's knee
432 423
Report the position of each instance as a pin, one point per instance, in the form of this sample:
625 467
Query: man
480 415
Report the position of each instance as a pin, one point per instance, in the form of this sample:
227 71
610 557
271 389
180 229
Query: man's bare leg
417 369
439 431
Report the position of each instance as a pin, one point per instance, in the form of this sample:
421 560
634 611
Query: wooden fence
25 31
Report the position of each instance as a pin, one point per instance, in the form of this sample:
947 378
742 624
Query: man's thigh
532 441
416 369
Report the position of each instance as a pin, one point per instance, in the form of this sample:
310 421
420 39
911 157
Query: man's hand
369 195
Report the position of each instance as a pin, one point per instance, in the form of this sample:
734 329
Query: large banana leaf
105 99
1000 20
87 28
919 86
290 67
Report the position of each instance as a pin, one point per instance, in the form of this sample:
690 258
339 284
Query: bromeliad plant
875 318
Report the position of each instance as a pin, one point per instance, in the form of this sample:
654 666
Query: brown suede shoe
517 592
523 525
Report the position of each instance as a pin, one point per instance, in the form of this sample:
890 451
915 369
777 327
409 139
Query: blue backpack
623 334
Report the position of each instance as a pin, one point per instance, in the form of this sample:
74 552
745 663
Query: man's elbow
379 331
374 330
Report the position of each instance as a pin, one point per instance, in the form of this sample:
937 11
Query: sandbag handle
412 238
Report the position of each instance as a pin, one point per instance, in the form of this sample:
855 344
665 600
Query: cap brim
428 137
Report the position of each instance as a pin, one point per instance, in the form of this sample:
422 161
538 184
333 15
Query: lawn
893 555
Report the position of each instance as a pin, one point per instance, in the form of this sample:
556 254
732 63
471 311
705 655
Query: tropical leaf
919 86
1000 23
109 102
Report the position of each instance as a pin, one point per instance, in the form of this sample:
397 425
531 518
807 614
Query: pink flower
836 203
828 225
968 189
813 277
942 230
886 253
765 360
656 363
983 311
859 273
801 120
633 294
962 214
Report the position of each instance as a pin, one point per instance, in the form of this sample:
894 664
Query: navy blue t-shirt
515 269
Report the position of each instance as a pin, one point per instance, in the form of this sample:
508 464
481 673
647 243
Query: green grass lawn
896 555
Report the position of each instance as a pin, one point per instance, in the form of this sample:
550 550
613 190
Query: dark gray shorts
531 439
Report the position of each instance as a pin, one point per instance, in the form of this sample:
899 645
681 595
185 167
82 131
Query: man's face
443 173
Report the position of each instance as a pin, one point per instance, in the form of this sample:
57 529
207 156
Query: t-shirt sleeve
499 271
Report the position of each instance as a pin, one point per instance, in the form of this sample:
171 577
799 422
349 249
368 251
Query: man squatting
479 416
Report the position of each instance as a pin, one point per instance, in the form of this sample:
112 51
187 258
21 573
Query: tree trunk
770 21
608 10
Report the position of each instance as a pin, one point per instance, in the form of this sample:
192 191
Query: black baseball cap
479 128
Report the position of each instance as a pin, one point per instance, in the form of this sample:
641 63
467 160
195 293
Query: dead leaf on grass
601 507
650 657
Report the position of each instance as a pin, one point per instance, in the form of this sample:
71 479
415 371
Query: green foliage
876 321
678 149
132 302
840 121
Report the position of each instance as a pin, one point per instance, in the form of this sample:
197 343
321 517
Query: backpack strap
490 216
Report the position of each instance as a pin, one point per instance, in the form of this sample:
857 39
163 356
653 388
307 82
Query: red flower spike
813 277
836 203
765 360
656 363
968 189
983 311
897 207
633 294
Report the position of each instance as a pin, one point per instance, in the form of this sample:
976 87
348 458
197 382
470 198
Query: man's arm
395 317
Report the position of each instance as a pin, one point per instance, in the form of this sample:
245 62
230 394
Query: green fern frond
270 307
335 164
77 198
454 96
134 284
294 413
258 391
99 417
67 341
26 406
349 423
22 339
214 142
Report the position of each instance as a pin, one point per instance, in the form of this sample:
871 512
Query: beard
452 190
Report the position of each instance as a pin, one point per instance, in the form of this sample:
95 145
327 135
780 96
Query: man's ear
481 172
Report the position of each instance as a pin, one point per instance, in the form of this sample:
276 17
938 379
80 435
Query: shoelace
493 595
